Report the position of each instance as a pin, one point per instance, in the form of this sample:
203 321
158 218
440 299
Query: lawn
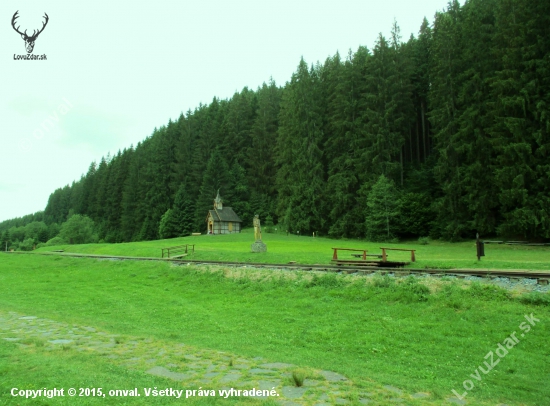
375 331
308 250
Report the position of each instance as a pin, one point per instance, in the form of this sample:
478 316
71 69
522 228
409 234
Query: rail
542 277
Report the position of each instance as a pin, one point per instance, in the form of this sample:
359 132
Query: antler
43 26
34 34
15 16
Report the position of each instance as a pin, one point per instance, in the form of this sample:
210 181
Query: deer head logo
29 40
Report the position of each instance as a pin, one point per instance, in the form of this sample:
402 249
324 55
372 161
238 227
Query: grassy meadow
376 331
308 250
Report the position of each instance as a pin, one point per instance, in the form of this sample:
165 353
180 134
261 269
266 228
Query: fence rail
181 250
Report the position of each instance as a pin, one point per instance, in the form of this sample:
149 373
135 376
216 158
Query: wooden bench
364 261
182 249
385 256
335 255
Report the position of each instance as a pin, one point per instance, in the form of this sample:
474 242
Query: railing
335 255
178 248
384 256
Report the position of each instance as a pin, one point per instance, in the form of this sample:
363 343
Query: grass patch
36 342
308 250
395 332
37 369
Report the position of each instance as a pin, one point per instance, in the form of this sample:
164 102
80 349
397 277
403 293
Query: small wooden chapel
222 220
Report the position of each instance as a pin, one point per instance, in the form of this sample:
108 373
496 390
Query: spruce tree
301 176
169 227
216 177
521 127
382 213
183 211
345 88
260 161
240 195
446 80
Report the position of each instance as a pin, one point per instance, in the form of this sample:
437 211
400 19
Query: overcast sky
116 70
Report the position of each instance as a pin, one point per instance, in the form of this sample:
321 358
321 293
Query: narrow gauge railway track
542 277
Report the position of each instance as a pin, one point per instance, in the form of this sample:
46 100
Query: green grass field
308 250
375 331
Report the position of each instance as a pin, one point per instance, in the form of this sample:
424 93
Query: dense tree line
446 134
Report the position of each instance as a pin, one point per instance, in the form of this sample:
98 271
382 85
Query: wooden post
413 259
335 255
477 247
383 255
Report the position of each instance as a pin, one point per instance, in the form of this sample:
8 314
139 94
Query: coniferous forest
444 135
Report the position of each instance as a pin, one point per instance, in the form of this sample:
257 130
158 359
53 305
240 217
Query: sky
116 70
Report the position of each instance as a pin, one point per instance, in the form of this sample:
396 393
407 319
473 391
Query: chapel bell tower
218 202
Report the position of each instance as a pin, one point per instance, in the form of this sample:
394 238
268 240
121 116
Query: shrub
424 240
37 230
78 230
55 241
298 378
26 245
